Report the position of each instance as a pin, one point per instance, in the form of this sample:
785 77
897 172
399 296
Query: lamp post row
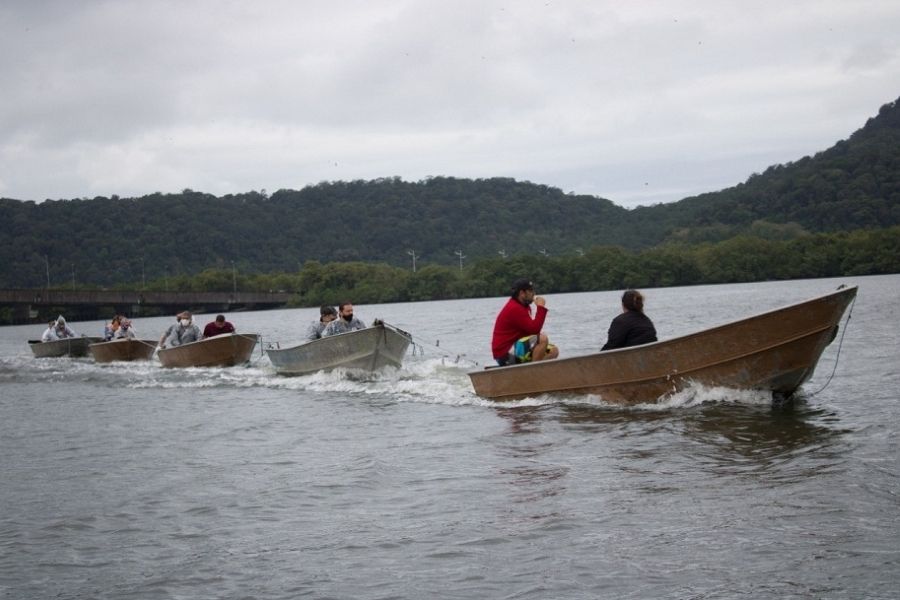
411 253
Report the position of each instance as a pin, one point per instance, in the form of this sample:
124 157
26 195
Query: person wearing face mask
327 314
126 329
345 321
182 332
517 334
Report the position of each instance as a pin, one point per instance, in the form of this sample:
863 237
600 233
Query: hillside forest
836 213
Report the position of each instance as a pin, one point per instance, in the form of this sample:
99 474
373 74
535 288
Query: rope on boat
838 356
418 347
262 351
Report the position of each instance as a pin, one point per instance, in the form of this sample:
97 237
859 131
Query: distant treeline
367 232
740 259
108 241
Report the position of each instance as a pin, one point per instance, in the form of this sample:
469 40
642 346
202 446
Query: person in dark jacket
217 327
632 327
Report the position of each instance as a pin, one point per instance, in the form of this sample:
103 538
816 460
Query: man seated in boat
327 314
345 321
182 332
109 331
125 331
517 334
50 333
217 327
632 327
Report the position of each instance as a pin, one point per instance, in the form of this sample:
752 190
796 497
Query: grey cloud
636 102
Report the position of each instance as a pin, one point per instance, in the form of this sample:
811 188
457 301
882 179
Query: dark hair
220 318
633 300
327 310
520 285
343 304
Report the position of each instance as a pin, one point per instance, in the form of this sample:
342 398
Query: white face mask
185 322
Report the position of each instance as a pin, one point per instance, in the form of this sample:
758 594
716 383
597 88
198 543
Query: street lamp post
461 257
413 254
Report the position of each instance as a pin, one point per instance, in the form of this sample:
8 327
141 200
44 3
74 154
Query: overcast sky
638 102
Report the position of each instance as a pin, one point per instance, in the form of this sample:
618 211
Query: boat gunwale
379 331
672 341
382 326
109 350
69 339
683 375
221 335
79 341
176 352
120 340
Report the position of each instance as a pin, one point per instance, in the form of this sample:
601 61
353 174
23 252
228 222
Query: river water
131 481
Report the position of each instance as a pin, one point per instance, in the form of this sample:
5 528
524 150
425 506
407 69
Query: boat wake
421 380
426 380
690 397
698 394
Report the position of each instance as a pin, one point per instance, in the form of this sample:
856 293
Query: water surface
133 481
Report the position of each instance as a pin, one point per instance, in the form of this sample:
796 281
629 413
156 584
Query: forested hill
854 184
103 241
382 220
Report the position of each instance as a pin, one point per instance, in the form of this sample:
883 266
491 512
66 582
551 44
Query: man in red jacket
517 335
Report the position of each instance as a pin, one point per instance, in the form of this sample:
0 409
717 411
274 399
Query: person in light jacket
327 314
62 330
50 333
126 330
182 332
110 329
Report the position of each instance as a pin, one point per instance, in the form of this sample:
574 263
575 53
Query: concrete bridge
32 306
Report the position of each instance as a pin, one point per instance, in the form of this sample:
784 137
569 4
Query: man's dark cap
521 284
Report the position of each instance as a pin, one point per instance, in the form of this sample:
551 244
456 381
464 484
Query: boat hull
775 351
368 349
123 350
225 350
76 347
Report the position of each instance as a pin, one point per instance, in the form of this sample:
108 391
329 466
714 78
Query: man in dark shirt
218 327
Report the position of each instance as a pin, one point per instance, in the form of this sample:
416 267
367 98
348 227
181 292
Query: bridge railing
45 297
19 306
